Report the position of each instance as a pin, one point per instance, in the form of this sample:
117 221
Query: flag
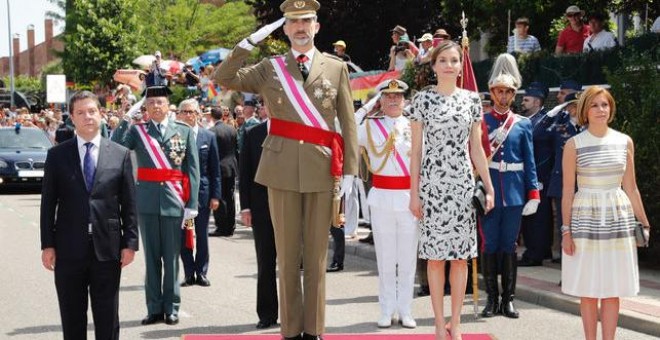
211 92
362 85
468 81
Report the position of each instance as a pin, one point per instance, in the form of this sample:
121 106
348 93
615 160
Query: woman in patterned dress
598 238
446 118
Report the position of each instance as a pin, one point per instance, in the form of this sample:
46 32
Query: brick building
35 57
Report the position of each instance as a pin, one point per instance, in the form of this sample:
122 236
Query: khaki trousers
300 222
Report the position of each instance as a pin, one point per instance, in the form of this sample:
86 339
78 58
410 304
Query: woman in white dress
598 236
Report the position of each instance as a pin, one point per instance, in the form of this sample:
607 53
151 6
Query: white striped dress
602 222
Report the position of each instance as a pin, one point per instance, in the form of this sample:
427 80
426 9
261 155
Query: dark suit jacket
254 196
67 208
227 143
209 167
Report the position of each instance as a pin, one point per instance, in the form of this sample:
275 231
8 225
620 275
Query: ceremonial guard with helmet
167 190
513 173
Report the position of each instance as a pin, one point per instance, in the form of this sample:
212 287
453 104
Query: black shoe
297 337
557 260
221 234
203 281
188 281
335 267
369 239
306 336
525 262
266 323
424 290
171 319
152 319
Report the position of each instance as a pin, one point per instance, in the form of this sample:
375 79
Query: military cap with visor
392 86
300 9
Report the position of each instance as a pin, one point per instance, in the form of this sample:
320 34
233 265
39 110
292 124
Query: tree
185 28
100 37
364 25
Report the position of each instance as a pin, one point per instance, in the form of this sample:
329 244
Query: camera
401 46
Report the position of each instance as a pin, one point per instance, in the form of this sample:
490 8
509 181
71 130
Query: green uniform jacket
288 164
156 197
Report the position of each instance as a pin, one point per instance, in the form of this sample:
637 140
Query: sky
24 13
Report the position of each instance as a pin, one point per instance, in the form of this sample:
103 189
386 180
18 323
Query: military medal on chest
177 149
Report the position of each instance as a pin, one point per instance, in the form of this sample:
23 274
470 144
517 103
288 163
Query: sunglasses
187 112
572 15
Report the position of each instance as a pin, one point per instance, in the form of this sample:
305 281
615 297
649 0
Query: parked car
22 156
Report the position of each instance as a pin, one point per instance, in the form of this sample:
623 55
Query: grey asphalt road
30 311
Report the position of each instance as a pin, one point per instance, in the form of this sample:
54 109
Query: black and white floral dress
448 228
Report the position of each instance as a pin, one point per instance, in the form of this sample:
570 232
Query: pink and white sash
160 161
397 154
297 96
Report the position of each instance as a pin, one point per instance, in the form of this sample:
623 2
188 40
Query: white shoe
385 321
407 321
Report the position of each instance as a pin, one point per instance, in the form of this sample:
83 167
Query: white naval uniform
394 227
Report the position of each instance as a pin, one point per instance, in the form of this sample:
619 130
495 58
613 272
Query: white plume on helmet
505 73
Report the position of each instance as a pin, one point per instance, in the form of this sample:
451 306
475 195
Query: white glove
346 185
530 207
265 31
134 111
366 108
189 213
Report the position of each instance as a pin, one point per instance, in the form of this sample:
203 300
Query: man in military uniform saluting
301 159
167 189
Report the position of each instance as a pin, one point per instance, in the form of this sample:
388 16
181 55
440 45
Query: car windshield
24 139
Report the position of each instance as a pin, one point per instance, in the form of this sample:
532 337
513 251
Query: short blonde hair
584 103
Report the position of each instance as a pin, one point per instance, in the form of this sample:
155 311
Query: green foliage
636 89
185 28
23 83
99 38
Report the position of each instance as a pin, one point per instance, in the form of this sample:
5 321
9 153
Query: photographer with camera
402 51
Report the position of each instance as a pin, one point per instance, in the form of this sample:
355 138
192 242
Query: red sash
163 175
391 182
312 135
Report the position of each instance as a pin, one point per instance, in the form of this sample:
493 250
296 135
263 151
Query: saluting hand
265 31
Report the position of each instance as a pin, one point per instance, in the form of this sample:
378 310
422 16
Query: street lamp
11 61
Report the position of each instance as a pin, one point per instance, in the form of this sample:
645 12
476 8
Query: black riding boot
489 271
509 274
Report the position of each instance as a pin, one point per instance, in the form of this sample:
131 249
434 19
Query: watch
565 229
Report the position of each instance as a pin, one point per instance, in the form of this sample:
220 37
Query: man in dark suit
255 212
209 195
225 215
88 222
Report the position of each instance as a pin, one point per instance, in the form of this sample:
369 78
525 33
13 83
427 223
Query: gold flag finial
465 42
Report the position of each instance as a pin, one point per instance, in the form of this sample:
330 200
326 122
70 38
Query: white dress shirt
82 150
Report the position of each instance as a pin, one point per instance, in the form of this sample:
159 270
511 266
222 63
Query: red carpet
331 337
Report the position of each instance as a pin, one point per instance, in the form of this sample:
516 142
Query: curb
542 293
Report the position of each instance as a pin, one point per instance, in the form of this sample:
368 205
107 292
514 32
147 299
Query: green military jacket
288 164
179 146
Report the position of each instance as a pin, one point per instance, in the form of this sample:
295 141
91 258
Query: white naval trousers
395 239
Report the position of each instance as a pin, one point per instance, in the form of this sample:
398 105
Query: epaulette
329 55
